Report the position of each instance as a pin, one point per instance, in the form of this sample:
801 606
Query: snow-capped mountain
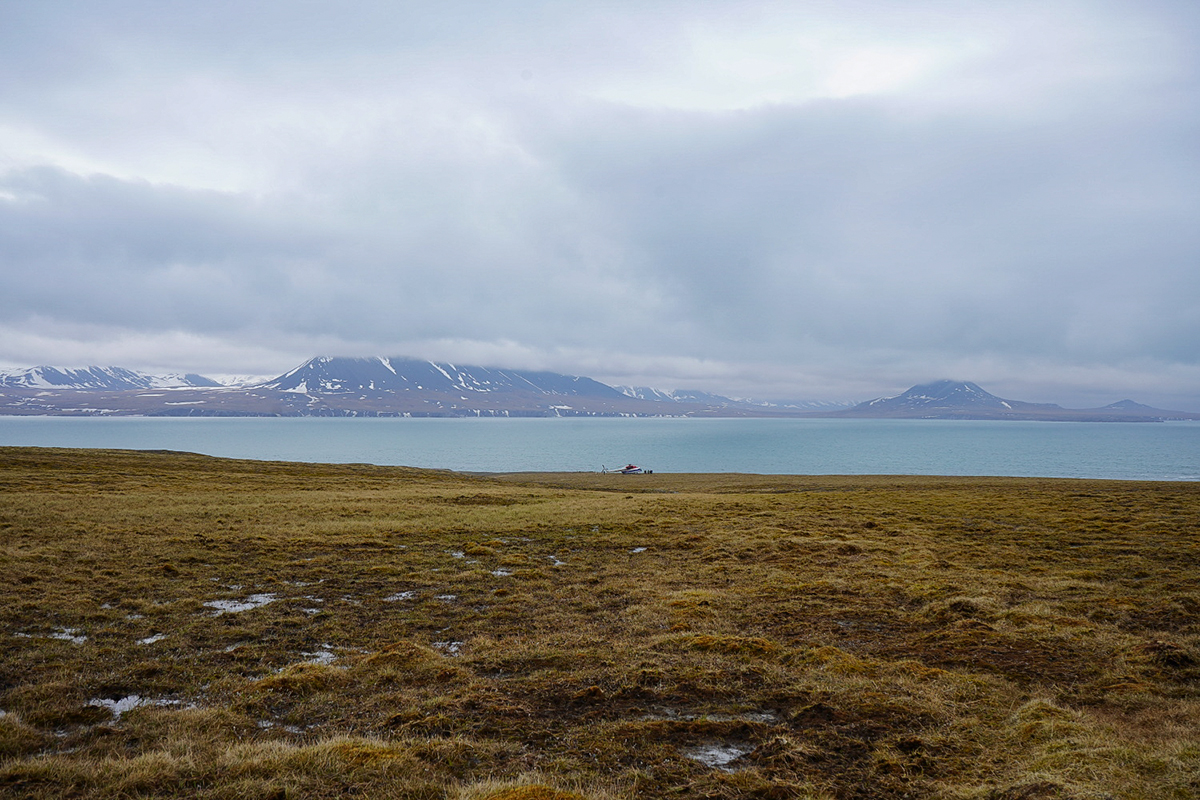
339 375
948 399
114 378
940 396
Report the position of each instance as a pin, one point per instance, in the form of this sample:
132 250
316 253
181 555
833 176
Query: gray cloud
829 200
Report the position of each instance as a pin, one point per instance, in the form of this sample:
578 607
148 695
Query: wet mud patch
975 646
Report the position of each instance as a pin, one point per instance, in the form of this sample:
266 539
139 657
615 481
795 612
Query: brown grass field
182 626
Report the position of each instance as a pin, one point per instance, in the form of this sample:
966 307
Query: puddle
311 599
400 596
237 606
324 656
718 755
638 550
447 598
72 635
128 703
158 637
449 648
502 573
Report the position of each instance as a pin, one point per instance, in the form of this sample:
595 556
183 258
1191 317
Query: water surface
1138 451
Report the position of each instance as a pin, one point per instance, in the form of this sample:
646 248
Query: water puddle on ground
638 550
311 599
449 648
719 755
72 635
128 703
158 637
324 656
237 606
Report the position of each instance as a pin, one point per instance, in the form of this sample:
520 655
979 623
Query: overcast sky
799 199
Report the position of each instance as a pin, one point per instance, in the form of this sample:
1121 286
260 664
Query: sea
1107 450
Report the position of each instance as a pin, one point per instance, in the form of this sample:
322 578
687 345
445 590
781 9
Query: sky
803 200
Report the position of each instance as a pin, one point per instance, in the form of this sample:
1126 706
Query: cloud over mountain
762 198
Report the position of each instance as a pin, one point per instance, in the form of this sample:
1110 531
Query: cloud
773 198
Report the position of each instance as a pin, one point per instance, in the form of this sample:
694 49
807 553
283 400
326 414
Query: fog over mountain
756 199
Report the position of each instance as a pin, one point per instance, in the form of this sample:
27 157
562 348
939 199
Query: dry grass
289 630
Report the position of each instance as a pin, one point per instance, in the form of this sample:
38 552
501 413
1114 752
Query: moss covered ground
182 626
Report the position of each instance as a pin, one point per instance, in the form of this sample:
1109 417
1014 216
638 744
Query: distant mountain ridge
402 386
708 398
114 378
948 399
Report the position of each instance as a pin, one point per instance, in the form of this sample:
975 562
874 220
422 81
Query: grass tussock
182 626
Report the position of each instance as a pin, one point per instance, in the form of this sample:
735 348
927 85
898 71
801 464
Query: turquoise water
1126 451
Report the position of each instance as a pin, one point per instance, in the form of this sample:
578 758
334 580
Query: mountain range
399 386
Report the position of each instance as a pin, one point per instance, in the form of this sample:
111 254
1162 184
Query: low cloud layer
822 200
